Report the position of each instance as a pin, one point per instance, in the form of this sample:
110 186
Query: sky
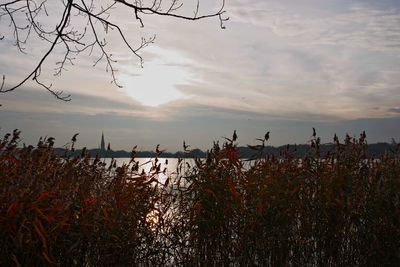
280 66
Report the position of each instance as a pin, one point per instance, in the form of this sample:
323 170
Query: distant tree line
375 150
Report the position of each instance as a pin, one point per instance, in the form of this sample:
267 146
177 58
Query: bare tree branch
24 20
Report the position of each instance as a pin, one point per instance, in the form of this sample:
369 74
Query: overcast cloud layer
284 66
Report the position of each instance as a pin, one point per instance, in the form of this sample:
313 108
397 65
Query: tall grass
339 209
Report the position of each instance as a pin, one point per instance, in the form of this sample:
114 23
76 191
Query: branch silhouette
24 21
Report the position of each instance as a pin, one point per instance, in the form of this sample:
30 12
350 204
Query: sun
156 83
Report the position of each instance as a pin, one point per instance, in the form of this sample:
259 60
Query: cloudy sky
281 66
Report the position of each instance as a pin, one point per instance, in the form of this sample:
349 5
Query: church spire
102 144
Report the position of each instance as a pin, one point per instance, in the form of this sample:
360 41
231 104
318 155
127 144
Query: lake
170 164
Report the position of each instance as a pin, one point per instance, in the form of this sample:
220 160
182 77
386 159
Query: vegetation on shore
375 150
340 208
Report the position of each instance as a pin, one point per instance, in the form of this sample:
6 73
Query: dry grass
339 210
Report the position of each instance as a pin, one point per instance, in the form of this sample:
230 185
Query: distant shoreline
374 150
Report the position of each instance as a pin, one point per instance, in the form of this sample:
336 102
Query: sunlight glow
155 84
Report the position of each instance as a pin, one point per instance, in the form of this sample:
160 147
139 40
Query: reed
339 209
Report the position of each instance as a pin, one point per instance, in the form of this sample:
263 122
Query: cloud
360 25
291 69
395 109
248 69
39 101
